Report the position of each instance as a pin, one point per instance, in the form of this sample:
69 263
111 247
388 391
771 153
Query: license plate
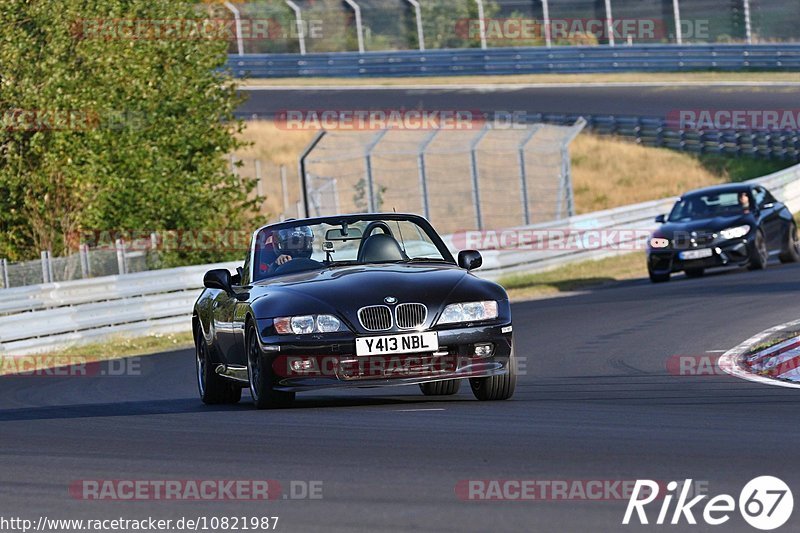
697 254
393 344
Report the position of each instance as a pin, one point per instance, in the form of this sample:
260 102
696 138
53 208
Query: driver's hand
282 260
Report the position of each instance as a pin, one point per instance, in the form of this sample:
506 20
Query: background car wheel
496 387
260 376
440 388
759 254
791 248
659 278
694 272
213 388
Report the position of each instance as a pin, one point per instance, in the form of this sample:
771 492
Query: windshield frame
697 196
358 217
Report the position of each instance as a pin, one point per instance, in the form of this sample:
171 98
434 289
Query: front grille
375 318
410 316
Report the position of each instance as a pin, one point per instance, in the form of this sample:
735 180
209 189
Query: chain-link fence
308 26
474 179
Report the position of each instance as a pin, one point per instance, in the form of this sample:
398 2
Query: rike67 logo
765 503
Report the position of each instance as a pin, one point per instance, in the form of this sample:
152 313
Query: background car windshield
318 246
706 206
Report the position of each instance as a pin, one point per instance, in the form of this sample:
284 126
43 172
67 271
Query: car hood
714 225
343 290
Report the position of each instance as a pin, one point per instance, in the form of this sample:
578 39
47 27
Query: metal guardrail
46 317
532 60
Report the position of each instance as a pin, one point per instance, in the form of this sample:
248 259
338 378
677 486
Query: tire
214 389
694 272
659 278
260 377
791 248
496 388
759 255
440 388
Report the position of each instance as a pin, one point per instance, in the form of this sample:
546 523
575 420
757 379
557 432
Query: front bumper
725 253
331 361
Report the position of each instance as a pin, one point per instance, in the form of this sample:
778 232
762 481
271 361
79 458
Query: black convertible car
358 301
735 224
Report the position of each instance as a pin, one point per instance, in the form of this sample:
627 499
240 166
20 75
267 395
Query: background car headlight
735 233
307 324
469 312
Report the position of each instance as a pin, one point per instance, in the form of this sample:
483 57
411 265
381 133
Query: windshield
704 206
304 247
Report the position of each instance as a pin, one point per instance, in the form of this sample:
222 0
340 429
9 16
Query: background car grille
410 316
375 318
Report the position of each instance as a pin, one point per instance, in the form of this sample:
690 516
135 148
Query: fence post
565 188
46 270
83 253
259 185
120 246
676 11
481 23
423 176
301 31
610 23
418 15
548 36
476 193
523 173
371 204
285 189
301 167
359 24
748 23
4 265
238 21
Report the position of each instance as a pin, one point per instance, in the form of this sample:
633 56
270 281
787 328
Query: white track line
730 362
491 87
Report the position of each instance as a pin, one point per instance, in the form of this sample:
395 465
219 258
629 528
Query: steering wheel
372 226
297 265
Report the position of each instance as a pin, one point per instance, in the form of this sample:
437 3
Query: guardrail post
523 173
476 192
676 12
748 27
481 23
610 23
423 175
359 24
83 254
371 204
4 266
418 15
238 21
548 36
120 246
301 30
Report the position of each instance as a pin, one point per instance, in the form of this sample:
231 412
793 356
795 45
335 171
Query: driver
292 243
744 201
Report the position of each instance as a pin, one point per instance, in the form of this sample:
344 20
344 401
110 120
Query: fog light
484 350
301 365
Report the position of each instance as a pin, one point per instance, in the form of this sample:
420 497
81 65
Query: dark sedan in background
357 301
725 225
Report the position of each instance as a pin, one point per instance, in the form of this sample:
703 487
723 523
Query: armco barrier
532 60
47 317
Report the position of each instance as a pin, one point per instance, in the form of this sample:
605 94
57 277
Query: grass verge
103 351
626 77
576 276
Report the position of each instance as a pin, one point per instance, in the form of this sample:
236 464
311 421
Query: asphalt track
644 100
596 402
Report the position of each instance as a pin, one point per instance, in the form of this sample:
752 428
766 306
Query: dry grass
629 77
274 145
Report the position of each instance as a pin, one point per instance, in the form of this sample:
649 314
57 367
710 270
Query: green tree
106 132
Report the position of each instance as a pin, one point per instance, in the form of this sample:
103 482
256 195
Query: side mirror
470 259
661 219
218 279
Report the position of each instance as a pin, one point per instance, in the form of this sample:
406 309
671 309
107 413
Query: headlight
307 324
469 312
735 233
